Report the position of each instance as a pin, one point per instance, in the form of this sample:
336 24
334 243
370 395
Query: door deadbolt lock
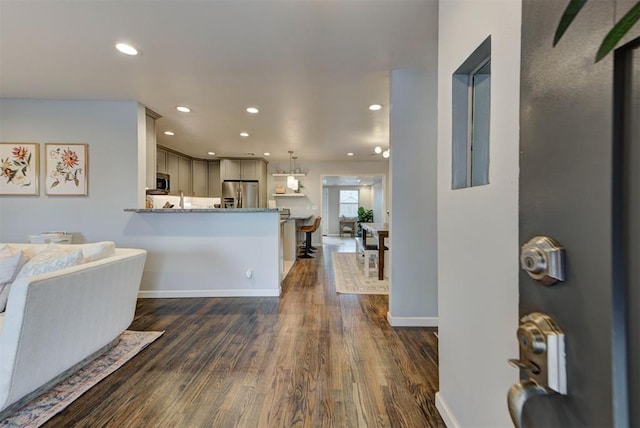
543 259
542 362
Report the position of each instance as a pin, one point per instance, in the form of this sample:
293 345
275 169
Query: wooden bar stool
308 230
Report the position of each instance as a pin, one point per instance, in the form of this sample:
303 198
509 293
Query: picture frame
20 169
66 168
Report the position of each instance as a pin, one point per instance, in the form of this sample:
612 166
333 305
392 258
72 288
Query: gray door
577 172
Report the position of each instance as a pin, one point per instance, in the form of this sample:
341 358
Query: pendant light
292 183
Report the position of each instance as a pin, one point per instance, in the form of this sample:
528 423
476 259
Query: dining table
381 230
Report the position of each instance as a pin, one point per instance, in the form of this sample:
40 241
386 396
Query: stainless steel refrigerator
239 194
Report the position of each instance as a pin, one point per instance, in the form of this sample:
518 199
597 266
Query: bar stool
308 230
303 245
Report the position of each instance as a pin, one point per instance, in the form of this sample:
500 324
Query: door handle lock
542 359
543 259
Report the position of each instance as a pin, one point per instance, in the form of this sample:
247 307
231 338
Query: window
471 118
349 203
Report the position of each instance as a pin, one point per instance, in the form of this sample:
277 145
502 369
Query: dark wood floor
310 358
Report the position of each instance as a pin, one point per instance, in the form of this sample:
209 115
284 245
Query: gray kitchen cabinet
179 170
215 189
230 169
173 169
249 169
200 178
185 176
161 161
239 169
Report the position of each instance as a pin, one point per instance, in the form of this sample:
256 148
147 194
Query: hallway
309 358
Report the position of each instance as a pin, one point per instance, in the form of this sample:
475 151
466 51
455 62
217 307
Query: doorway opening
342 198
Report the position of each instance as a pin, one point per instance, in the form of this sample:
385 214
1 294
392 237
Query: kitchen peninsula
210 252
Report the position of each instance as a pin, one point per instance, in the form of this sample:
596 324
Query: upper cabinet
150 148
203 178
240 169
249 169
215 189
161 161
185 176
179 170
200 178
230 169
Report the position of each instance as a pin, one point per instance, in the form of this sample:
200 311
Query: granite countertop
200 210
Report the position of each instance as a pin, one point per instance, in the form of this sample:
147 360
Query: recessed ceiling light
211 153
378 150
169 133
252 110
244 134
126 49
350 154
385 154
375 107
267 154
183 109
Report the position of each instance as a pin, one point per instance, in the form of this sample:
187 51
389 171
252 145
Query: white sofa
54 321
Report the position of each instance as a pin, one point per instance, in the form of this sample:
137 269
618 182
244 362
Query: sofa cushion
4 296
11 261
97 250
51 259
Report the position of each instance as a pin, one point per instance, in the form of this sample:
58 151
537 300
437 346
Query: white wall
478 227
379 213
413 299
312 202
111 130
189 254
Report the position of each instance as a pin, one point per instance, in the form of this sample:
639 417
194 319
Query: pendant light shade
292 182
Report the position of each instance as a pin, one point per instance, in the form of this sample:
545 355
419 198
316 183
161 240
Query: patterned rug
349 276
335 241
56 399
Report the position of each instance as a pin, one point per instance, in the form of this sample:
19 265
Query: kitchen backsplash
189 201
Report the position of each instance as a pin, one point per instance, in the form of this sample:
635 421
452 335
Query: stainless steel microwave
163 182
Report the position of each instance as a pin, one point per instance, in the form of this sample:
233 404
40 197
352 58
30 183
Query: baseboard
170 294
445 412
412 321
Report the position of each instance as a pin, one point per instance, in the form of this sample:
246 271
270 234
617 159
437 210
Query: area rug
57 398
349 276
335 241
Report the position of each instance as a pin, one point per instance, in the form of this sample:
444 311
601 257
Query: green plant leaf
567 18
618 31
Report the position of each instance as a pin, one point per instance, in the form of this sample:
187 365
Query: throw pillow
98 250
9 266
10 263
51 259
4 296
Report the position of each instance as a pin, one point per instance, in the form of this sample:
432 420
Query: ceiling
312 67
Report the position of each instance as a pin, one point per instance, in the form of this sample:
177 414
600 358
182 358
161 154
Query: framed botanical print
20 172
66 169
